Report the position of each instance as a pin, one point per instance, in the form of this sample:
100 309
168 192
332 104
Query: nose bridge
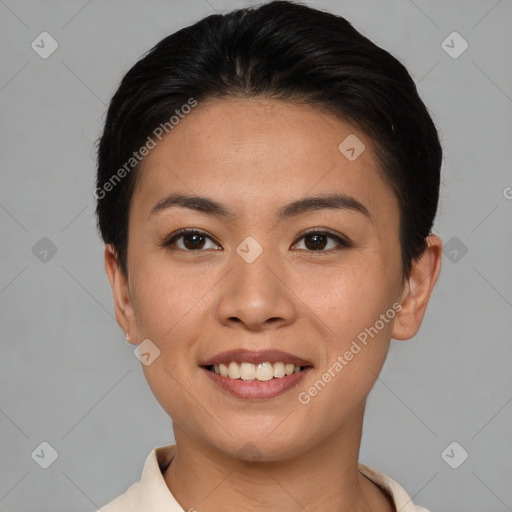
255 292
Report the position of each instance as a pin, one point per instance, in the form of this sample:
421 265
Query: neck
323 477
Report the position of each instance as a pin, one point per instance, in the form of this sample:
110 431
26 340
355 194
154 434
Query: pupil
198 240
318 242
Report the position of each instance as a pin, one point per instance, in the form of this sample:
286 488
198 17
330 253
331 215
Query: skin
255 156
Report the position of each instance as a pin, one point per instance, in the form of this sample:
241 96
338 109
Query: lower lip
255 389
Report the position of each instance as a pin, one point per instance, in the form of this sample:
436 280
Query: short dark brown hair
280 50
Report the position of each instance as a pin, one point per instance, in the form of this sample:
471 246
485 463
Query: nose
256 296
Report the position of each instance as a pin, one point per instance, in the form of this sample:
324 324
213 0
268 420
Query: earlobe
121 293
417 290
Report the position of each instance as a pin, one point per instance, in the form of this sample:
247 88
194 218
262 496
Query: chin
259 447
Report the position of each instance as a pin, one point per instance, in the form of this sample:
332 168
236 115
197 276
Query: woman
267 183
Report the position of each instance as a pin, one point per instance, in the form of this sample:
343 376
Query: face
261 268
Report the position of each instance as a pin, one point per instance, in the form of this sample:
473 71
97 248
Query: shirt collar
154 495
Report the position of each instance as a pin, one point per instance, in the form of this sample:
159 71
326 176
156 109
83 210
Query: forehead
262 151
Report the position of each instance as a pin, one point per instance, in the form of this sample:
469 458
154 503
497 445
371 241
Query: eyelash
171 240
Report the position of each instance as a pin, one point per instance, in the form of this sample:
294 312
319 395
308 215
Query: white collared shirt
151 493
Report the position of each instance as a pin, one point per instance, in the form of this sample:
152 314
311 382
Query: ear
417 290
125 315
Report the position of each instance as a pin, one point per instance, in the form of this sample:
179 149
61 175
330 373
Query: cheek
170 307
164 299
350 297
353 310
353 358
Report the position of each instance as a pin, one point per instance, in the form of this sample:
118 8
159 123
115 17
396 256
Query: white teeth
263 371
247 371
234 370
224 371
279 370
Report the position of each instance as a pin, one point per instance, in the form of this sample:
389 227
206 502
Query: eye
189 240
315 240
318 240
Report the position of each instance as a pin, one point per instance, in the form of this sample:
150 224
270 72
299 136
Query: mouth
256 375
262 372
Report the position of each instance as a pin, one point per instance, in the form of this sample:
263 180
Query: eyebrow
306 204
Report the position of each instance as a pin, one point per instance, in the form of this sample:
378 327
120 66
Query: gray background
67 375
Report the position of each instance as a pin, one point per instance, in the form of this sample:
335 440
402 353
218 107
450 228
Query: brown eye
316 241
193 241
323 241
190 240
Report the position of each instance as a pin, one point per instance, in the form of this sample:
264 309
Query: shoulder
398 495
150 493
124 502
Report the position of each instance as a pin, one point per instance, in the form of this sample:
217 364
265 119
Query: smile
255 374
263 372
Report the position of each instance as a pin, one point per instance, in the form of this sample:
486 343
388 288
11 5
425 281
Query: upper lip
255 357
